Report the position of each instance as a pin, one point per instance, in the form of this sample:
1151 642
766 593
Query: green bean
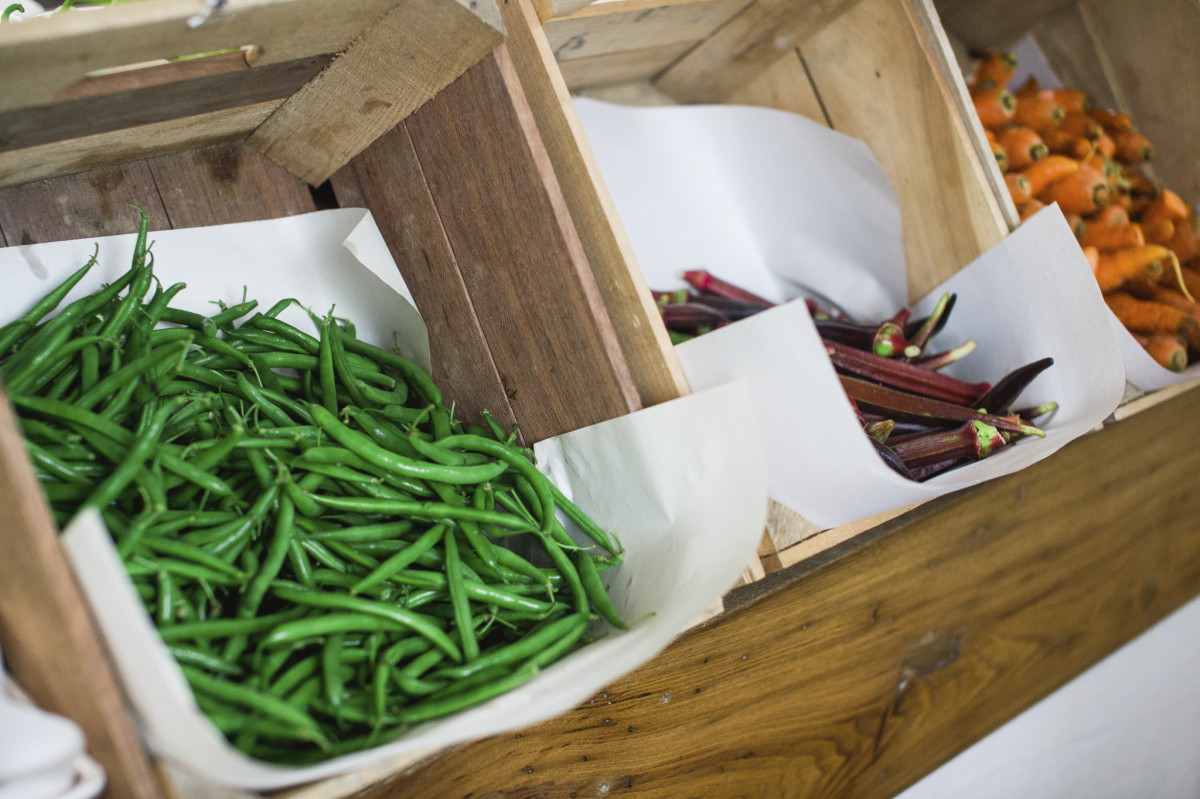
108 490
11 332
225 628
276 553
191 656
419 624
458 598
400 560
257 701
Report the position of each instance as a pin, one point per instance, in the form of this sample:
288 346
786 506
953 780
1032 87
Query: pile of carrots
1141 239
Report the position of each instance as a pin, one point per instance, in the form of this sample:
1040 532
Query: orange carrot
1022 145
1185 243
1093 257
1029 208
1190 278
1111 119
1047 170
1167 205
1112 215
1158 231
1077 223
1113 237
1061 142
1000 156
1147 316
1172 297
1073 101
994 69
1018 187
1106 146
1138 182
1132 147
1116 267
1037 112
1080 124
1028 87
1084 192
995 106
1169 351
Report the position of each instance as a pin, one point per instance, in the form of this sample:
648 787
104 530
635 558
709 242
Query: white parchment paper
774 202
682 484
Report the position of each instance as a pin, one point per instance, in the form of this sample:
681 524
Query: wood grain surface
859 671
387 179
875 72
636 322
519 254
396 64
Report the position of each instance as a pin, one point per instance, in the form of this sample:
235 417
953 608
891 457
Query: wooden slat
743 47
636 321
387 179
41 56
50 645
156 74
629 66
878 82
105 149
603 28
520 257
226 183
157 102
858 673
398 63
92 204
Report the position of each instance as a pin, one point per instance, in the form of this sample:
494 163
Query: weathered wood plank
95 151
857 673
628 66
36 49
636 321
398 63
520 257
157 102
784 85
603 28
750 42
94 203
226 183
387 179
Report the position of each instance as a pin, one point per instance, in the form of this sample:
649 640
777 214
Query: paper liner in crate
778 204
682 484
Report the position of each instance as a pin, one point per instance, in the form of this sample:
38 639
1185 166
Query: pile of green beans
328 554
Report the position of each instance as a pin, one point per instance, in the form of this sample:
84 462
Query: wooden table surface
852 673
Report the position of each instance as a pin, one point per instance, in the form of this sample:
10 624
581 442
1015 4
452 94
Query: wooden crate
311 82
878 70
494 210
1140 58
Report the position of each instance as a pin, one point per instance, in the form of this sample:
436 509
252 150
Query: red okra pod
971 440
902 405
703 280
904 376
1001 396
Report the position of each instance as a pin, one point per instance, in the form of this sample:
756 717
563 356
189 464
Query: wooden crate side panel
32 52
784 85
135 106
622 286
86 153
878 83
984 24
872 668
615 69
750 42
605 28
397 64
1151 61
50 644
387 179
510 231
